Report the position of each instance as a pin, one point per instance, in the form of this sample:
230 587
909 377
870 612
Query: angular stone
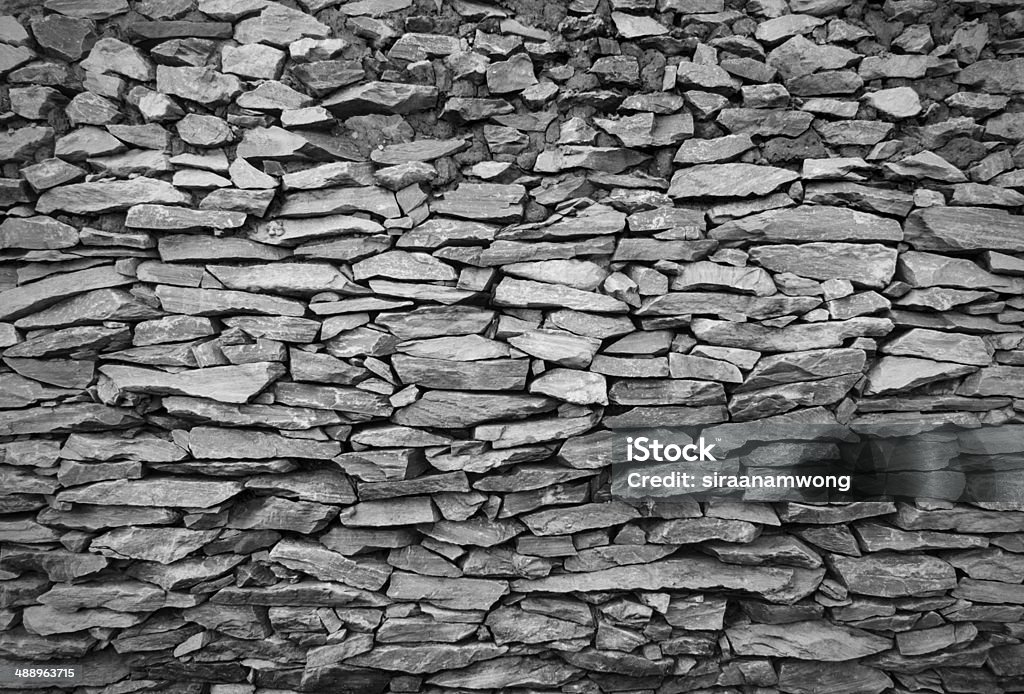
570 385
794 337
808 640
779 399
418 150
109 196
167 218
810 223
330 201
402 265
775 584
930 270
453 409
709 275
427 657
275 513
280 26
483 201
183 492
805 677
896 374
292 232
649 391
37 233
594 221
557 346
201 84
511 625
490 374
765 122
691 530
318 561
896 103
217 443
283 278
871 265
889 575
332 398
809 365
509 671
799 57
161 545
453 593
34 296
529 294
609 159
964 229
233 384
940 346
342 173
111 55
994 380
631 26
994 76
214 302
381 97
579 518
728 180
721 303
766 549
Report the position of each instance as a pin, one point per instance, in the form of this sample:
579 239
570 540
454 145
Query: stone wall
315 318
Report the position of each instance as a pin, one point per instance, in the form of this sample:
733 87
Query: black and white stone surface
315 315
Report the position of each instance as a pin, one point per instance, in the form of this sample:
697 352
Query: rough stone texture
315 318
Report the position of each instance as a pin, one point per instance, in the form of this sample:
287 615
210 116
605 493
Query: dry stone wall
315 319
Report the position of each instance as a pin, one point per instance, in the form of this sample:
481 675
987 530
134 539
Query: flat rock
232 384
940 346
527 293
201 84
775 584
723 303
964 229
895 374
444 408
490 374
215 302
491 202
794 337
810 223
418 150
994 76
278 25
381 97
809 640
34 296
728 180
157 492
870 265
891 575
109 196
302 279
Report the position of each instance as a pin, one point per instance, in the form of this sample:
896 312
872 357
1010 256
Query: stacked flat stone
316 317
